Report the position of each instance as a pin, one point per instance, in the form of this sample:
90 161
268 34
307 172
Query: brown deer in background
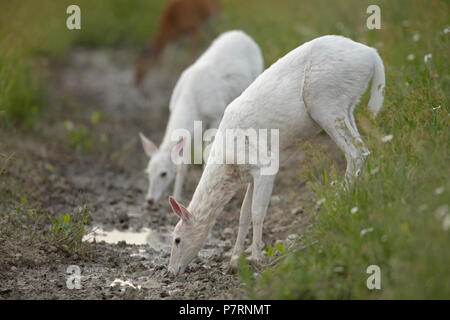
180 17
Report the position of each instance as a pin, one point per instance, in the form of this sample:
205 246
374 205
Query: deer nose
150 202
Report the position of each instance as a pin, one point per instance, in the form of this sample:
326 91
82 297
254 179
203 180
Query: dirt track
110 178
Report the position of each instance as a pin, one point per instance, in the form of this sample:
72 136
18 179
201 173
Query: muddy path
130 242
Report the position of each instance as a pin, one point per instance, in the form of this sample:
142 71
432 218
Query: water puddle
157 241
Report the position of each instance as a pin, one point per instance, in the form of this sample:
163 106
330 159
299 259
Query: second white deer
314 87
202 93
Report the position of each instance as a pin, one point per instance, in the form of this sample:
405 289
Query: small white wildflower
427 57
354 210
416 37
365 231
446 30
387 138
439 190
374 170
410 57
321 201
436 108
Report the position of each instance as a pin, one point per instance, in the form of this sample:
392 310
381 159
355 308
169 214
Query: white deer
202 93
314 87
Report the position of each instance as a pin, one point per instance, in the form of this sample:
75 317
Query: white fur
314 87
203 91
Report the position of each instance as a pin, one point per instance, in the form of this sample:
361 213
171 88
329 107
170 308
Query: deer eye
163 174
177 241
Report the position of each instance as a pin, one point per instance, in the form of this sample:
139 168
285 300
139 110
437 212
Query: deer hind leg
262 190
336 118
244 223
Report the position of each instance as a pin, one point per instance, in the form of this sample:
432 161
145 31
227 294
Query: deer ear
180 210
180 145
149 147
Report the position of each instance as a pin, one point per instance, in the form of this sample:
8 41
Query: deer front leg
179 179
262 190
244 222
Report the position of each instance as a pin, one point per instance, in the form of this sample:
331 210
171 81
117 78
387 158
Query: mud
129 243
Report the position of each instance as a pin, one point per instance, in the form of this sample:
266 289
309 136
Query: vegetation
396 216
68 229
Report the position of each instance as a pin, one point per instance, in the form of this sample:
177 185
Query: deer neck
217 186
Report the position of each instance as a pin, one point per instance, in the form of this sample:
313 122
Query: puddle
146 236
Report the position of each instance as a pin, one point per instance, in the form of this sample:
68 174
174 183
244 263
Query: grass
400 203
